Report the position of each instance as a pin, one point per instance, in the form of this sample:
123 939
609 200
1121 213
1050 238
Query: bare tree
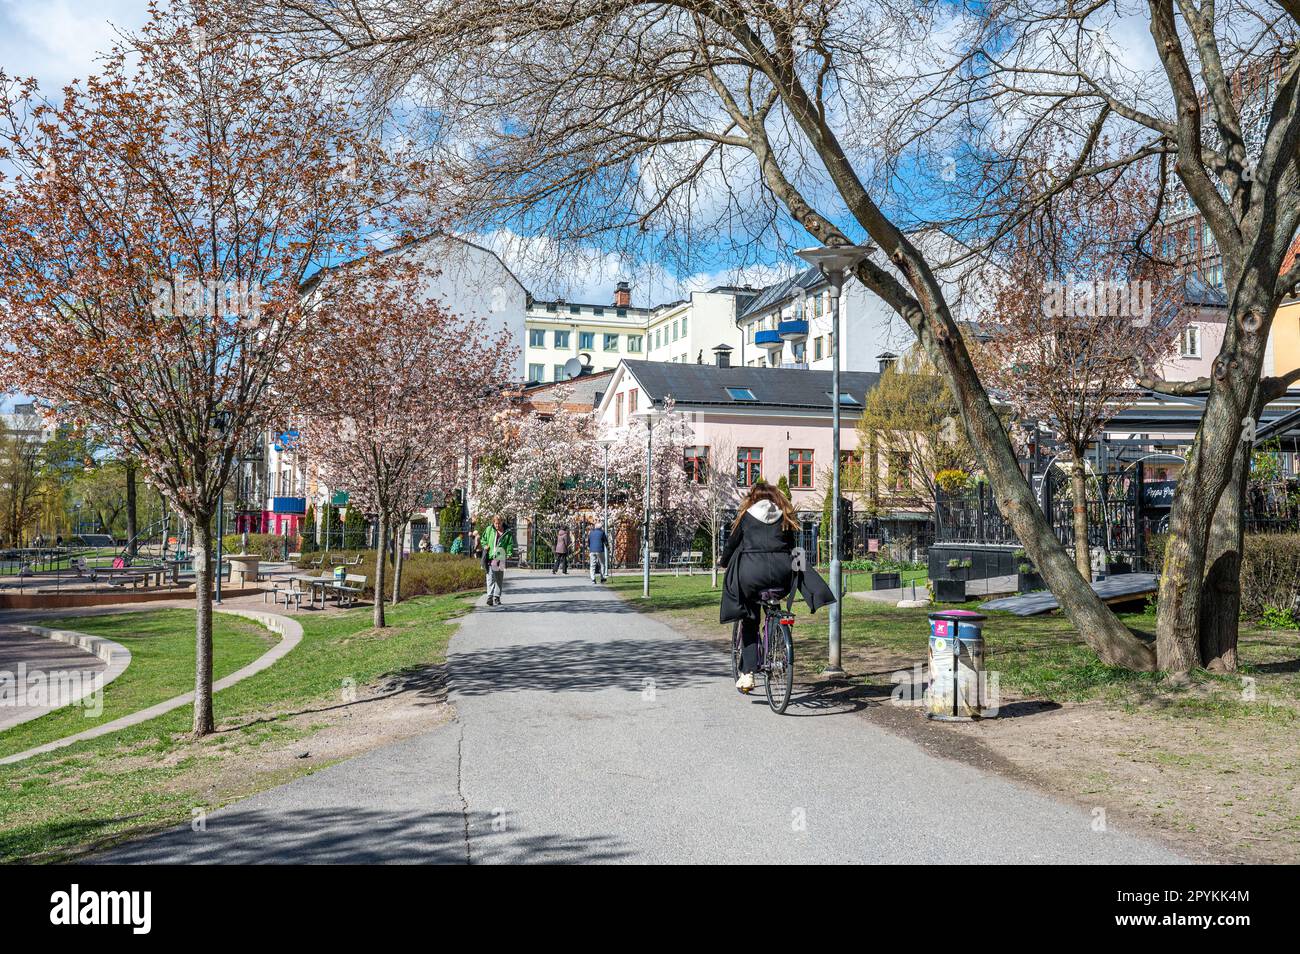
1079 306
701 119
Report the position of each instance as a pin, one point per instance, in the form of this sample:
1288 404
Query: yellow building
1284 339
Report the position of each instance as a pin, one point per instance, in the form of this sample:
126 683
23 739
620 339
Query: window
683 327
586 340
659 337
899 477
674 331
536 372
598 310
801 469
817 306
611 342
536 338
634 344
631 400
1189 342
561 339
741 394
749 466
559 372
551 306
621 312
846 399
618 410
818 344
749 332
697 464
575 309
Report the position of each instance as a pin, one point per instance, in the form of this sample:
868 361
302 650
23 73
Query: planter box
1028 582
949 591
886 581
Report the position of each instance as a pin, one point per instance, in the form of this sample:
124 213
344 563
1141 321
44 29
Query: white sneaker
746 682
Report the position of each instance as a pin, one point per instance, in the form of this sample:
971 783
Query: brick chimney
623 295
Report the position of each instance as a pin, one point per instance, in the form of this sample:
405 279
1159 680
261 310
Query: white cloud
588 274
59 40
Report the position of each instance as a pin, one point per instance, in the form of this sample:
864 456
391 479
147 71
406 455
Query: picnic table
245 564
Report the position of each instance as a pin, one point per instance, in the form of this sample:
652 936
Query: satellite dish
577 367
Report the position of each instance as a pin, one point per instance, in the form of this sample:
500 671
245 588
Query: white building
788 325
602 335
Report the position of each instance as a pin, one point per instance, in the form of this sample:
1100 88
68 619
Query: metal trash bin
955 692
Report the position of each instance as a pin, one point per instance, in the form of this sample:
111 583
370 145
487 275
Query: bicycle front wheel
780 666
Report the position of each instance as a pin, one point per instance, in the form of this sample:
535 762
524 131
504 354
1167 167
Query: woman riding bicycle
758 557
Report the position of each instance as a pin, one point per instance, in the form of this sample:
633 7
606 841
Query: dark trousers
561 563
749 640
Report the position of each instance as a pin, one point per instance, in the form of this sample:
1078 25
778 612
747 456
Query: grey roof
1197 292
778 294
706 384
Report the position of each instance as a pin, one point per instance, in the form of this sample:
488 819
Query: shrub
423 574
1270 574
269 546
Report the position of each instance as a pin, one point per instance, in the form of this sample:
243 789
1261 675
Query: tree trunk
397 564
1221 600
1079 491
132 544
381 564
204 724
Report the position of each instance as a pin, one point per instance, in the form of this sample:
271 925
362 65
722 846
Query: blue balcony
768 339
794 330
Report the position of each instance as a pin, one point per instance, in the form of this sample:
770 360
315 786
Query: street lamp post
651 416
834 262
605 443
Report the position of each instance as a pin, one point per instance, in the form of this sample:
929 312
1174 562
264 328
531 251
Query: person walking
498 545
597 544
562 543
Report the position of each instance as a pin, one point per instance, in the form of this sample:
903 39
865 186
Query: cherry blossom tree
673 494
156 221
545 463
390 389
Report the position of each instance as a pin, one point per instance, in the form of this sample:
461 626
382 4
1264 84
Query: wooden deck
1121 588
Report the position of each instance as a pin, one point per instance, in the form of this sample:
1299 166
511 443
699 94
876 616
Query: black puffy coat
757 557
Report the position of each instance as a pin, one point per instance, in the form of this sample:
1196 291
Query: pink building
775 422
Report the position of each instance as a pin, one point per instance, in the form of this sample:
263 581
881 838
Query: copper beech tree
156 221
391 387
690 123
1078 310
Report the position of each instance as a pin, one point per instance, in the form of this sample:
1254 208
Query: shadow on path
580 665
358 836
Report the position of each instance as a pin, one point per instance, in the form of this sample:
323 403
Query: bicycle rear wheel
779 672
735 652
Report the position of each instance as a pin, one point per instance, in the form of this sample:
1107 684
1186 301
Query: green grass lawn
162 666
153 774
1038 657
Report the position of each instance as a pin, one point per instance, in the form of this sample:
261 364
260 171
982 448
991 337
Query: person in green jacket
498 546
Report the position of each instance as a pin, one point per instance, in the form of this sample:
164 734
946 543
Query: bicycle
775 650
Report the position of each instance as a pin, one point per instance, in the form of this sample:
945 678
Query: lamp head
832 259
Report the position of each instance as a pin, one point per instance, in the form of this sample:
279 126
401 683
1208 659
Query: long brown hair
762 490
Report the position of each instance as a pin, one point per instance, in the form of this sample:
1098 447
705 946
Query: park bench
291 592
689 559
351 588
